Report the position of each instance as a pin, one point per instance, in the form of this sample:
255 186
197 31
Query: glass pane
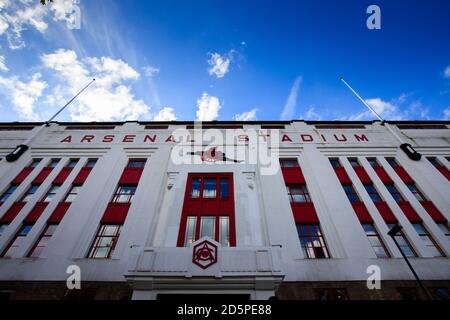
37 251
51 229
209 189
444 228
190 231
380 252
374 241
25 230
207 227
224 231
195 188
136 164
101 253
224 188
91 163
70 197
419 228
109 230
53 163
408 252
434 251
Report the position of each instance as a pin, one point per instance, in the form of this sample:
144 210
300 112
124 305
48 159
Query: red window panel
361 212
401 172
82 176
434 212
362 175
36 212
62 176
59 213
209 195
12 212
342 175
293 175
409 211
304 213
42 175
382 174
385 212
22 175
131 176
116 213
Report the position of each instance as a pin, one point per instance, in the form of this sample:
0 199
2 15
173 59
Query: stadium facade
292 210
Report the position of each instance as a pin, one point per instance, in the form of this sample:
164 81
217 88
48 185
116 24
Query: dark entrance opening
203 297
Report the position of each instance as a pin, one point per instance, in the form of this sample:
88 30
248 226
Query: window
392 162
51 194
43 240
105 242
195 188
209 188
404 244
289 163
373 162
72 194
375 240
124 194
30 192
394 192
428 240
136 163
72 163
373 193
312 241
419 196
207 227
17 241
3 227
444 228
335 163
53 163
354 162
351 193
34 163
224 231
224 188
90 163
298 193
5 196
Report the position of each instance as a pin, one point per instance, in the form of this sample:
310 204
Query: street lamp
393 232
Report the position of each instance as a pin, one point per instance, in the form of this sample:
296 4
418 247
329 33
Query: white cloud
246 116
220 64
446 113
208 108
23 95
312 114
165 114
150 71
447 72
17 16
3 66
291 103
108 99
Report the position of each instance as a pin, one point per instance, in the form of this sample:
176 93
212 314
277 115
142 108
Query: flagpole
406 147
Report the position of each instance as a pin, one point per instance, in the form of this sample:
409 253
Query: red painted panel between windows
382 174
42 175
131 176
293 175
361 212
409 211
116 213
12 212
36 212
385 212
82 176
22 175
445 172
434 212
62 176
401 172
342 176
304 213
362 174
59 212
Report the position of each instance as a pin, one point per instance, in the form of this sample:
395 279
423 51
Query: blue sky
224 60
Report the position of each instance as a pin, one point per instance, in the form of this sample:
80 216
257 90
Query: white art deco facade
151 210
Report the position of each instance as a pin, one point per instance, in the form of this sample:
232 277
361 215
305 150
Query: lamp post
393 232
